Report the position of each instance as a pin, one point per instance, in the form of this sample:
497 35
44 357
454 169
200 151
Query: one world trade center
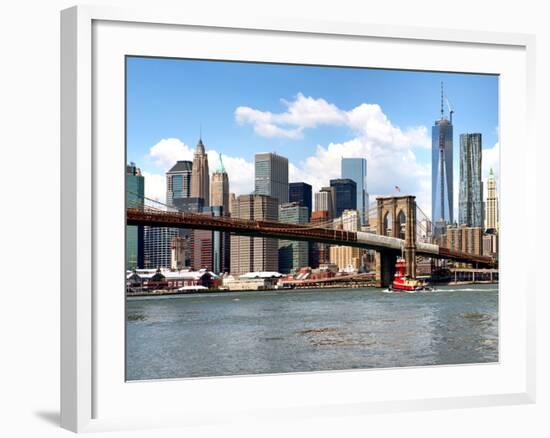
442 172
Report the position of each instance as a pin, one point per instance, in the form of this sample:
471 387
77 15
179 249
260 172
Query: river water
309 330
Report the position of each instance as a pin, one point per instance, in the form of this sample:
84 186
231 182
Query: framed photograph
275 218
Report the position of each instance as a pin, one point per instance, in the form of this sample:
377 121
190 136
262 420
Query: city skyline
284 136
271 181
314 127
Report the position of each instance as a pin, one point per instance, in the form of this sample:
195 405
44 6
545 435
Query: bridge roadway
156 218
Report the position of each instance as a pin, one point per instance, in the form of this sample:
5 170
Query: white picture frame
93 396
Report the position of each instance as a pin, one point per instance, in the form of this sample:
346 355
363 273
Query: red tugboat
402 283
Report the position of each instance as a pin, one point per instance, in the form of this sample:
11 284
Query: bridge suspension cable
145 211
143 202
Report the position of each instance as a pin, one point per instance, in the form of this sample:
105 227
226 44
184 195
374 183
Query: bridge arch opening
388 224
401 224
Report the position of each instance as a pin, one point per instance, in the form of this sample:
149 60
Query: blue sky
312 115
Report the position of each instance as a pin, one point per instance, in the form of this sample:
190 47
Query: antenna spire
441 99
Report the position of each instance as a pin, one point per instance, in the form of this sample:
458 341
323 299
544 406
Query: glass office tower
271 176
442 174
345 193
470 196
159 240
178 181
325 200
301 192
158 246
293 255
356 170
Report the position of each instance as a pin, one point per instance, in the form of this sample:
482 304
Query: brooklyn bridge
396 233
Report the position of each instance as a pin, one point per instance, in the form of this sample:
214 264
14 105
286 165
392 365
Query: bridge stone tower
396 218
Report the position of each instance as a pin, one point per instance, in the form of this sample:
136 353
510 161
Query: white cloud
307 112
369 120
389 150
155 186
303 112
167 151
388 166
490 160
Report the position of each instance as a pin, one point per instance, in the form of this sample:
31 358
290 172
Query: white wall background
29 240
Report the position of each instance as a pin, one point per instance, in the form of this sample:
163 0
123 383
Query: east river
309 330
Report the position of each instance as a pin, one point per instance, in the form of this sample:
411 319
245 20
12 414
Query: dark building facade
178 181
346 195
208 249
220 243
191 205
301 192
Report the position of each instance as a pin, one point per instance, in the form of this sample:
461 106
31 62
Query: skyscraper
442 171
178 181
356 170
210 249
220 188
200 178
220 206
135 190
301 192
202 249
492 203
470 197
221 253
293 254
271 176
250 254
325 200
346 195
161 241
158 246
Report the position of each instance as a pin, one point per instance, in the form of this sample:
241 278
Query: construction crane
444 97
451 111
